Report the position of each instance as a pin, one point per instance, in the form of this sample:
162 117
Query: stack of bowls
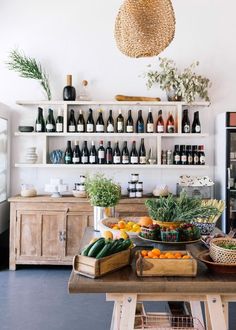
31 155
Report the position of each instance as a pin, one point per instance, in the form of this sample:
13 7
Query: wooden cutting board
137 98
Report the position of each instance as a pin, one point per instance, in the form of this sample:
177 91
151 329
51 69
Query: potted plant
104 194
186 85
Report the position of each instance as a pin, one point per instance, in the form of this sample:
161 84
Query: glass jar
134 177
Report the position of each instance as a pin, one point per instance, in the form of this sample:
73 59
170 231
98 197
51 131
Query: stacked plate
31 155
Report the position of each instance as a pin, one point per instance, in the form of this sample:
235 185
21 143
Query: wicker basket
222 255
144 28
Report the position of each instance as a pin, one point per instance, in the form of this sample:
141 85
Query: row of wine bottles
120 125
185 155
102 155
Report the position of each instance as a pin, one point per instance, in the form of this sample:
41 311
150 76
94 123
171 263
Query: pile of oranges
127 226
157 254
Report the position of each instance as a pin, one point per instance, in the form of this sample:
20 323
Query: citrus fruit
107 234
156 252
145 221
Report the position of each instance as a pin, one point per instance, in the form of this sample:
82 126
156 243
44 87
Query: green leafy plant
28 67
102 191
179 209
186 85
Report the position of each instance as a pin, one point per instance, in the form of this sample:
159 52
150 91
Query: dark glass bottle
170 124
101 154
176 155
189 155
129 123
140 123
120 123
201 155
195 155
69 93
125 154
116 154
183 155
109 155
196 126
72 122
142 153
110 123
160 123
149 125
93 154
68 154
90 122
185 122
133 154
59 122
50 122
81 123
40 123
76 154
85 154
100 123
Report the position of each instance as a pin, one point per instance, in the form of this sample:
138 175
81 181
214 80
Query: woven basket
222 255
144 28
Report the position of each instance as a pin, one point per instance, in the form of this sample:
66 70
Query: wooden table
126 289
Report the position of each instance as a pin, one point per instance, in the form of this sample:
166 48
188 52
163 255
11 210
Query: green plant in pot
104 194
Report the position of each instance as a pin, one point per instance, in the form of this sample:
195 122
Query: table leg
197 310
128 311
216 313
115 321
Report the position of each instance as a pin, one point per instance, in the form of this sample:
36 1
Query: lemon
116 228
136 227
124 235
107 234
130 223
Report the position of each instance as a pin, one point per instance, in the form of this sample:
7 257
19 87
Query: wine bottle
160 123
189 155
183 155
93 154
68 154
90 122
40 123
85 154
150 126
195 155
185 122
140 123
76 154
133 154
176 156
129 123
100 123
110 123
125 154
116 154
201 155
109 153
196 126
72 122
170 124
101 154
59 122
69 93
142 153
120 123
81 123
50 122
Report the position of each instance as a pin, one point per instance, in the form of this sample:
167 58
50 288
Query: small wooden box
92 267
166 267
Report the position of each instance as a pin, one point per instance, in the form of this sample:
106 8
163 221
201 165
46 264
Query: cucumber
105 251
96 248
114 246
86 250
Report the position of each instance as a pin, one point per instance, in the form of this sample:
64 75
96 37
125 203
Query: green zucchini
105 251
96 248
87 248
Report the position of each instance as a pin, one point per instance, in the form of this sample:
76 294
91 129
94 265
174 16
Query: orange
145 221
150 254
162 256
186 257
155 257
121 224
107 234
146 256
178 255
144 253
156 252
171 256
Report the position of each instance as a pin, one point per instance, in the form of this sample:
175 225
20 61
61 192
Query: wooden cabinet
45 230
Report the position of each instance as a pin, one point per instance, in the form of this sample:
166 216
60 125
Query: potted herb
104 194
186 85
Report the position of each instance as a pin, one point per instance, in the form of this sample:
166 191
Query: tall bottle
76 154
72 122
108 153
129 123
59 122
68 154
160 123
101 154
85 154
185 122
116 154
176 156
40 123
183 155
201 155
140 123
50 122
150 125
90 122
110 123
125 154
133 154
81 123
120 123
196 126
195 155
69 93
93 154
170 124
100 123
189 155
142 153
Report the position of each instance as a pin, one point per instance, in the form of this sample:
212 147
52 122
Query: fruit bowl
108 223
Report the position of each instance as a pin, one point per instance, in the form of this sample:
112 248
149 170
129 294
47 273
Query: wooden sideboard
46 230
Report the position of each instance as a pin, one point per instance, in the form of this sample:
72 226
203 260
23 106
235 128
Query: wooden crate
166 267
92 267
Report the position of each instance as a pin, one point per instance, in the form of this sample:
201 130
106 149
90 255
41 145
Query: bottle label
129 129
196 159
99 128
71 128
149 128
75 160
202 160
120 126
92 159
142 160
177 158
186 128
116 159
59 127
170 129
160 129
109 158
49 126
198 129
80 128
101 154
110 128
190 159
84 159
183 158
125 159
38 127
140 128
68 158
134 160
89 128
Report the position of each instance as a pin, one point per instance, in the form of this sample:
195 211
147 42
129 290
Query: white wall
76 37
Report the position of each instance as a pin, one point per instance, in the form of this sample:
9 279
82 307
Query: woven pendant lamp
144 28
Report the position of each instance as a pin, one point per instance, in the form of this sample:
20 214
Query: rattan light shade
144 28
